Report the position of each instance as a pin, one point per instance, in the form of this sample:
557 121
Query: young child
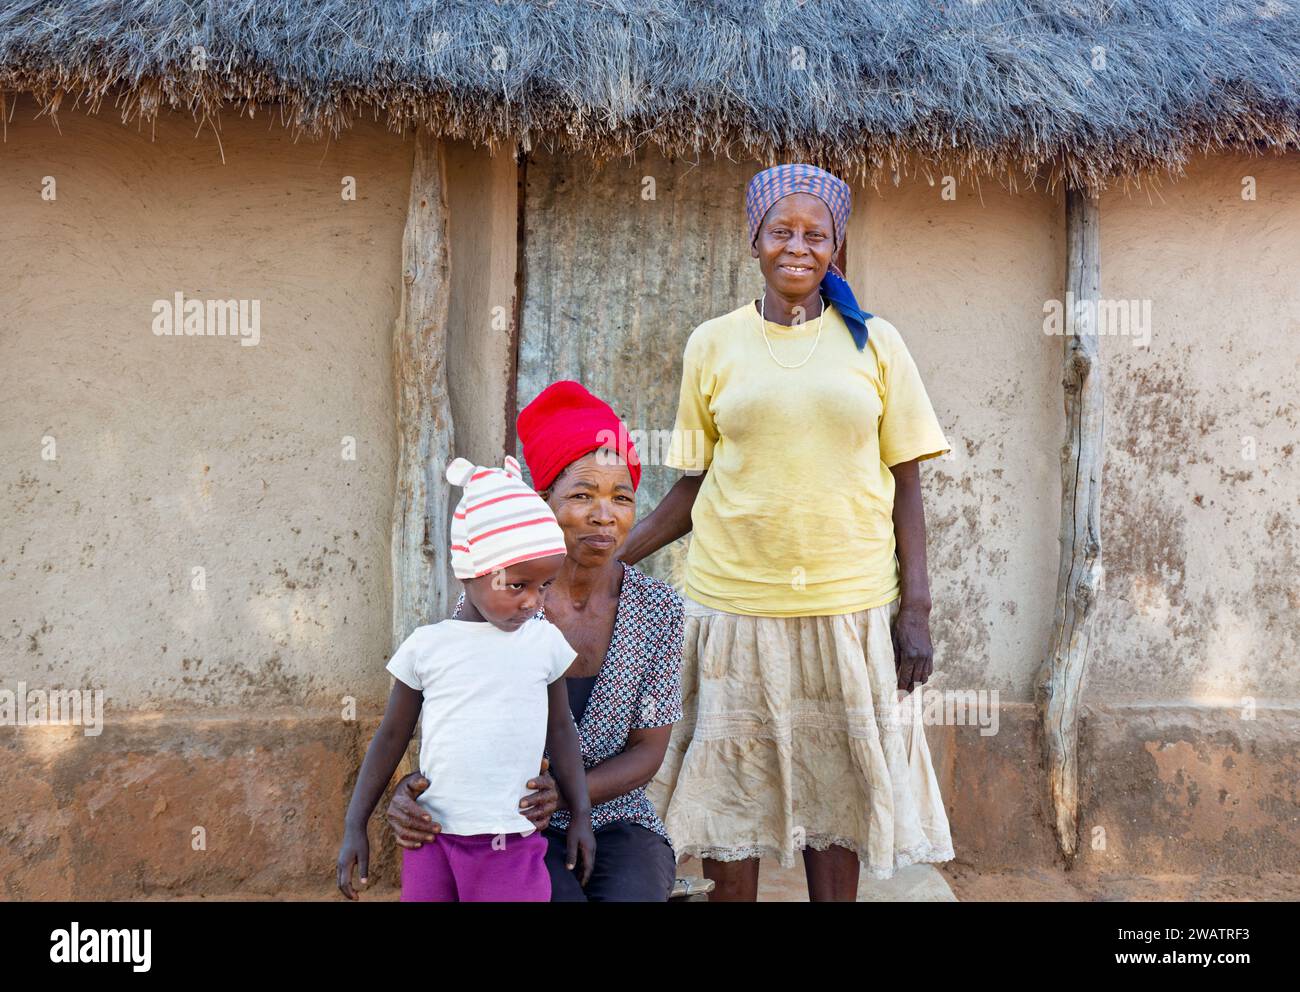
492 689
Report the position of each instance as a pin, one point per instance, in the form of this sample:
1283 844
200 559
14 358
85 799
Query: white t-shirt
483 722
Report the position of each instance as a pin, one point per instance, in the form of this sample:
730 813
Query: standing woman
801 422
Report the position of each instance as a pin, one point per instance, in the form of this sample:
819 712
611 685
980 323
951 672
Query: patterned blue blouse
639 685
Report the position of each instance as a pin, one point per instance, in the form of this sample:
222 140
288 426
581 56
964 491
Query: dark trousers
633 864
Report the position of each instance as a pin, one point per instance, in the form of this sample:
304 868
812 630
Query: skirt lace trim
924 853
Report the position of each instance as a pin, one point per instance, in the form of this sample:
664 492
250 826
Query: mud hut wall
1202 496
225 755
267 467
176 453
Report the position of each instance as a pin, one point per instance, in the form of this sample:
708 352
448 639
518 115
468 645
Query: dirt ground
969 885
951 882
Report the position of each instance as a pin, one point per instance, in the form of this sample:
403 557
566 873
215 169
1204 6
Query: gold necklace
762 326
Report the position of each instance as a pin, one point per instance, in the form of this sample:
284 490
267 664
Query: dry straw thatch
967 86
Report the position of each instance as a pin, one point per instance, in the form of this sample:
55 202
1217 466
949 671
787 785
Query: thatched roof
954 85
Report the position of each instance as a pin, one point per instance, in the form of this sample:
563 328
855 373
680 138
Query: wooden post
420 556
1078 582
421 507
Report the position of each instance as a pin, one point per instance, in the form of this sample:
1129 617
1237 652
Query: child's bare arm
385 751
562 744
570 776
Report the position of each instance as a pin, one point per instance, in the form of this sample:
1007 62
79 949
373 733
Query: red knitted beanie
564 423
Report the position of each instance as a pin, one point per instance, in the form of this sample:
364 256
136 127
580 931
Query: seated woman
625 685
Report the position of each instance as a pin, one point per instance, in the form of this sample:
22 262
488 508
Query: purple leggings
468 868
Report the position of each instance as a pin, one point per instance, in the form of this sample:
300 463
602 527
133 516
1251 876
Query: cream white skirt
792 736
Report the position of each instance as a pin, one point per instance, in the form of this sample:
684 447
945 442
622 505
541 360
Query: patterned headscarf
771 185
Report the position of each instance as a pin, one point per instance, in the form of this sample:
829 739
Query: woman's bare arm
631 768
914 654
664 524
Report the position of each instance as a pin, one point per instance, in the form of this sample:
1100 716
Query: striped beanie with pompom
499 521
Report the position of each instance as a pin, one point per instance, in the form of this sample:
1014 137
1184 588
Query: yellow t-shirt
795 516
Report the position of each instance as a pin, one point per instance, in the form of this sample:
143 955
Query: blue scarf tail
837 290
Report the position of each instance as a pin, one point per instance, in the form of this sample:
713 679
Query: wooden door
620 265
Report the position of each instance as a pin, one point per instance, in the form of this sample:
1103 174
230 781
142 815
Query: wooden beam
1078 583
421 507
517 303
